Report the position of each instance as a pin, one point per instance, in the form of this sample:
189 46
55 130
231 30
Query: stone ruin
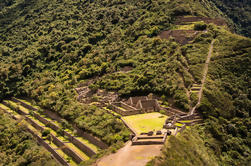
135 105
103 97
170 122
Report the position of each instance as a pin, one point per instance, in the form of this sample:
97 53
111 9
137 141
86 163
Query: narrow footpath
204 78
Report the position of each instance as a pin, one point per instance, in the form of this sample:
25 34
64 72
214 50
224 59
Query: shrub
200 26
46 132
163 112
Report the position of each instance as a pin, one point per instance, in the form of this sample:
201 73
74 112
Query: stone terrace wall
49 148
130 127
82 147
148 105
147 142
75 141
182 128
180 36
92 139
216 21
10 114
67 150
24 104
124 113
127 107
53 115
41 119
34 124
134 100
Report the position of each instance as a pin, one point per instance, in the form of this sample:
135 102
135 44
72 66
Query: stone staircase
150 138
195 88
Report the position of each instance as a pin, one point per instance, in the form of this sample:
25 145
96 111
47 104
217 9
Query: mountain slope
48 48
239 12
225 106
17 146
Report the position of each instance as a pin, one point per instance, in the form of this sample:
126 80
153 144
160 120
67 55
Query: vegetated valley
64 62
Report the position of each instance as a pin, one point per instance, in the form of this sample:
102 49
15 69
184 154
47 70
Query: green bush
46 132
200 26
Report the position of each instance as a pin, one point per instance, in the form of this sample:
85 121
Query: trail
204 78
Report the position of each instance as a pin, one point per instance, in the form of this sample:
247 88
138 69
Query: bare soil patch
180 36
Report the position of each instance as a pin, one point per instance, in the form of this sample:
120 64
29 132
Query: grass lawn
146 122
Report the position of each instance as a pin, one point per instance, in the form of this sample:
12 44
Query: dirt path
137 155
204 77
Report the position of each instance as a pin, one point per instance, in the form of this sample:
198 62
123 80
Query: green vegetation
226 100
48 48
146 122
186 149
200 26
226 116
239 12
17 146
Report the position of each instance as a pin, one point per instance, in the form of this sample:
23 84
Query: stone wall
124 113
41 119
75 141
134 100
92 139
147 142
82 147
127 107
53 115
34 124
24 104
49 148
67 150
148 105
130 128
173 111
182 128
12 116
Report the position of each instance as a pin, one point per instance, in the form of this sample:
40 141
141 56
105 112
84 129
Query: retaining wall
23 104
124 113
128 126
49 148
83 147
173 111
41 119
149 142
10 114
55 116
127 107
182 128
76 142
67 150
91 138
34 124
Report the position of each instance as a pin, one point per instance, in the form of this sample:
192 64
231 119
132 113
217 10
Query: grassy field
146 122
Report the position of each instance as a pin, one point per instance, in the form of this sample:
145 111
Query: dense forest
239 12
48 48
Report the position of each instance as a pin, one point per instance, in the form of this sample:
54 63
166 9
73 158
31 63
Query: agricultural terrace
146 122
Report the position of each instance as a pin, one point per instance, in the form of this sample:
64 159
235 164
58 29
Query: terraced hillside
65 145
75 58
